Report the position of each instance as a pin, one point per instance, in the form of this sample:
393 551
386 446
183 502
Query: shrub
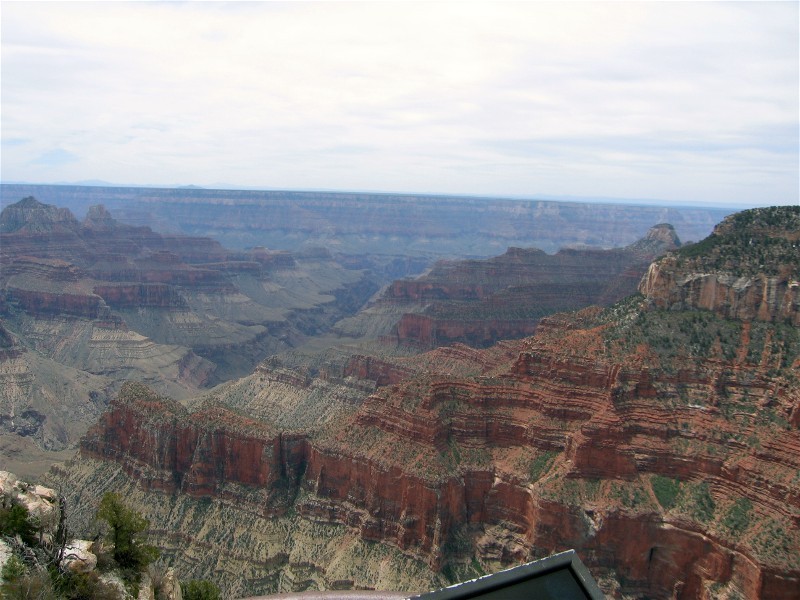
704 503
199 589
13 569
126 532
82 586
737 519
541 464
16 521
36 586
666 490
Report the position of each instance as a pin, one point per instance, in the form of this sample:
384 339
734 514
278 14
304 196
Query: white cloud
682 101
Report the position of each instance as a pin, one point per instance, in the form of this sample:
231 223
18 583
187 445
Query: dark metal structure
559 577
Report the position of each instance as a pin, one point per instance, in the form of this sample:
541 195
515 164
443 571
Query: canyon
86 305
657 436
480 302
89 304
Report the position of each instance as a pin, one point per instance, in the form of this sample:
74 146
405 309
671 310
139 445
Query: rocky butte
480 302
658 437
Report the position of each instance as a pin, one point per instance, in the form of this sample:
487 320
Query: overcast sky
685 102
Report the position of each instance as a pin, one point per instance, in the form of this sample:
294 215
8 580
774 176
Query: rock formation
747 270
115 302
660 441
390 225
482 302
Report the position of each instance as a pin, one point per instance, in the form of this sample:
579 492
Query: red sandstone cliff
481 302
748 269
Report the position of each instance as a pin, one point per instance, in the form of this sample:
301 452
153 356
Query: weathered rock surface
40 502
747 269
481 302
661 444
78 557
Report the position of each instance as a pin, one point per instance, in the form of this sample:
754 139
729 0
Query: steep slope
45 407
662 444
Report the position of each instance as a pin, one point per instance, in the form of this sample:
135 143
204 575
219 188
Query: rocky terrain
480 302
385 227
41 558
85 305
658 437
89 304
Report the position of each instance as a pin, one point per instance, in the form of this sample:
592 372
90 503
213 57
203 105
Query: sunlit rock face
746 270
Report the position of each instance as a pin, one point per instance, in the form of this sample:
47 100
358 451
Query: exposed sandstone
747 269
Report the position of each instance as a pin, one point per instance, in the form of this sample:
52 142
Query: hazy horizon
523 198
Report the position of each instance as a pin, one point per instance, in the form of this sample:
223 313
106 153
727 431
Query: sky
675 101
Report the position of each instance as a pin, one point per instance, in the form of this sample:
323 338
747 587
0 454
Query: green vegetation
82 586
666 490
750 242
33 571
677 336
199 589
703 504
737 517
16 521
27 587
13 569
541 464
777 542
631 495
125 533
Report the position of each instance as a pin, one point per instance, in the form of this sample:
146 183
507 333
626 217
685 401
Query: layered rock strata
118 302
376 224
661 444
482 302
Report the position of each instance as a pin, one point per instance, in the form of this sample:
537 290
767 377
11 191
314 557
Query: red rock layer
432 332
132 295
613 422
481 302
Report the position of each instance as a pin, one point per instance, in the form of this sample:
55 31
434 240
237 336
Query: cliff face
482 302
756 297
552 449
747 270
661 444
31 216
